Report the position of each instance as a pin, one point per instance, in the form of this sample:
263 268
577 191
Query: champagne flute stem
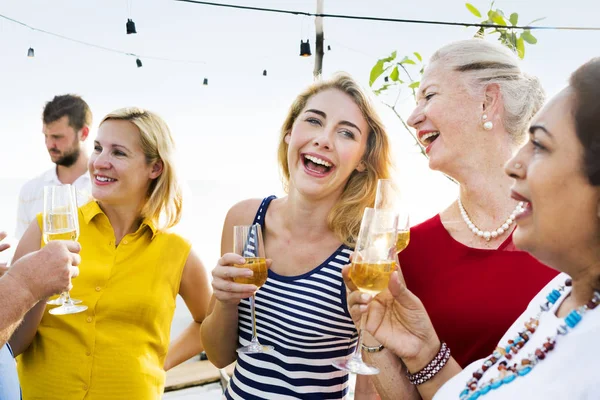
253 311
358 350
68 300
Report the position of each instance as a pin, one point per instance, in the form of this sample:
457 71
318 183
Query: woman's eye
537 146
428 96
349 134
313 121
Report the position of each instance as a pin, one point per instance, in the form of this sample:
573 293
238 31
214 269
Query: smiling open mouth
428 138
316 165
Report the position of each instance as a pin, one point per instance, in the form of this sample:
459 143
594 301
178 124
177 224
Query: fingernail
241 260
363 308
365 297
248 273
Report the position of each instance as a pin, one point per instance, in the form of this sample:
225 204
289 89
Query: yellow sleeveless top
116 348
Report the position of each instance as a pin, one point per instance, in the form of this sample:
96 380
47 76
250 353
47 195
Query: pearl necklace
487 235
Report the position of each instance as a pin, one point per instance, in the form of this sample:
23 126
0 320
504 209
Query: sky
234 122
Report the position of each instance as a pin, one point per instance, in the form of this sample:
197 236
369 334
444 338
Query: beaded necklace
507 372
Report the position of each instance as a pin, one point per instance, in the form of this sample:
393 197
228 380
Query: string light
30 52
130 25
138 62
264 72
305 48
205 83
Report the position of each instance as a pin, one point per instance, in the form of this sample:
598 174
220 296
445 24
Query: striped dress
305 318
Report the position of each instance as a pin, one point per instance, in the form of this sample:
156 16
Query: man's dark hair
73 106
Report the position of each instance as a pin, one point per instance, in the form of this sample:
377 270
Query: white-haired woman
133 270
551 350
474 107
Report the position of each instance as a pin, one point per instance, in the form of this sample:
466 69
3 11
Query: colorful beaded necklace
507 372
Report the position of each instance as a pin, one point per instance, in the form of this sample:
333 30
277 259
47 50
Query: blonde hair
345 216
485 63
164 201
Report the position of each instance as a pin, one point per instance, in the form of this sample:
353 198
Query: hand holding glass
60 222
373 262
248 243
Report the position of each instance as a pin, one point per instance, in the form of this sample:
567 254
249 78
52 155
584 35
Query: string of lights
381 19
97 46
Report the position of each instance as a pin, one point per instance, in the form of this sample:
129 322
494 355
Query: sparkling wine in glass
248 242
60 222
373 263
388 198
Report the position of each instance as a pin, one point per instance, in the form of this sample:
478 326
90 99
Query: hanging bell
305 49
130 26
205 83
264 72
30 53
138 62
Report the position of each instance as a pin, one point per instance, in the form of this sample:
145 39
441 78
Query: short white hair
484 63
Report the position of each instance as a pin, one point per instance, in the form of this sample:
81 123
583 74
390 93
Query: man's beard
69 159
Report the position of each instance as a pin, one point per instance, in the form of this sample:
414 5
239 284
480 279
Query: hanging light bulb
264 72
138 62
205 83
30 53
305 48
130 25
386 79
328 48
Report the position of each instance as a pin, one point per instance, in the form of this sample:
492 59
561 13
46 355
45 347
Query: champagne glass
373 262
248 242
60 222
60 300
388 198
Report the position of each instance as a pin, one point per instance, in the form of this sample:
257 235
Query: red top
472 295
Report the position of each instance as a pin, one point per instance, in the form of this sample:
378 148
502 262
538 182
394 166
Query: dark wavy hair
585 82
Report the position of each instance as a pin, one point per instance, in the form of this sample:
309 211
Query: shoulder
173 238
433 223
33 185
243 212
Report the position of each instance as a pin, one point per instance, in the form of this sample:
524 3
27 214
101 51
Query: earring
487 125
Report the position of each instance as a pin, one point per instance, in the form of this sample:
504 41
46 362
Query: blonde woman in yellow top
131 273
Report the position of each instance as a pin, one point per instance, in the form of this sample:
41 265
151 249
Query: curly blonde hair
345 216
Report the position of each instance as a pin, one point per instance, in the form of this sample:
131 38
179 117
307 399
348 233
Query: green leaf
520 47
473 10
414 85
498 19
528 37
418 56
536 20
390 58
376 72
394 75
407 60
514 19
381 89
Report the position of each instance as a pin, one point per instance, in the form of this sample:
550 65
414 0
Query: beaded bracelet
431 369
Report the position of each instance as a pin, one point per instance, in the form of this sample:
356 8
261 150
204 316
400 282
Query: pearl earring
488 125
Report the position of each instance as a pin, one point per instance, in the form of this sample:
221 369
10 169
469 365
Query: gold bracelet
372 349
